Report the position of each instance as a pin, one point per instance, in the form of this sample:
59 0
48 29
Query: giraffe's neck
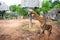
40 19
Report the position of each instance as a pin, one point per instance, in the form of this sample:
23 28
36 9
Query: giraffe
42 20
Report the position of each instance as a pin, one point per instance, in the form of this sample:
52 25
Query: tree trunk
3 14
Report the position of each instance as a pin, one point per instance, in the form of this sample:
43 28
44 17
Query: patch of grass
57 22
33 28
26 28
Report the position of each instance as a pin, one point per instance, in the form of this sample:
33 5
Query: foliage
11 15
21 11
24 27
27 28
13 8
50 1
57 22
57 6
2 14
55 3
38 10
46 5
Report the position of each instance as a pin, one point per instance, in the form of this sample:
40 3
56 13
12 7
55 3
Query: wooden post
30 19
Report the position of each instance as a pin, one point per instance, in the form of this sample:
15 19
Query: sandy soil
11 30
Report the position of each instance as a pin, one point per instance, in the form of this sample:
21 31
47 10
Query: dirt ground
12 30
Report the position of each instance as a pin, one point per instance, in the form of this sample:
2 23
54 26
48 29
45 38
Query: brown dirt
11 30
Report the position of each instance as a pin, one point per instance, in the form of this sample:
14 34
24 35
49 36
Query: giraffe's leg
50 31
43 32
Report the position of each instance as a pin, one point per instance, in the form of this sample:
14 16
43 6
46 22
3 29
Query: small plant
57 22
27 28
24 27
33 28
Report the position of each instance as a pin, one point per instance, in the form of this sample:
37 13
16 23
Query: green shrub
58 22
24 27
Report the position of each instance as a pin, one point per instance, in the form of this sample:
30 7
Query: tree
13 8
46 6
21 11
50 1
25 12
3 9
55 3
57 6
37 10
